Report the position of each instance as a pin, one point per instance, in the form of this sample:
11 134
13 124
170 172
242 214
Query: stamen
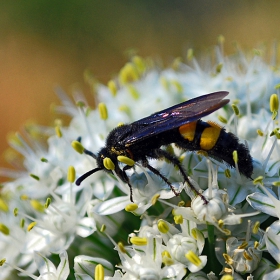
112 87
71 174
163 226
77 146
103 112
99 272
139 241
193 258
274 105
108 164
126 160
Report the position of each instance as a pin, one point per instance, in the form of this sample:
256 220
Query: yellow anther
165 254
138 241
128 73
247 256
222 119
164 82
22 223
257 52
121 247
103 228
221 39
139 63
3 205
166 258
235 156
193 258
80 103
274 105
34 177
4 229
155 199
235 109
163 226
31 226
71 175
195 233
243 245
178 219
103 113
37 205
88 111
275 132
221 223
256 244
2 261
178 86
227 173
15 139
227 277
58 131
108 163
190 54
15 212
260 133
256 227
77 146
274 102
226 231
133 92
99 272
181 203
228 259
176 63
258 180
44 160
48 202
125 109
276 183
24 197
112 87
126 160
219 68
131 207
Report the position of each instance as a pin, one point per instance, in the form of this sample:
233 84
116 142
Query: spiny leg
127 180
156 172
176 162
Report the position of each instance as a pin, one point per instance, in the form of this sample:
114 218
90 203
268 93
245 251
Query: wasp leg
159 153
156 172
126 180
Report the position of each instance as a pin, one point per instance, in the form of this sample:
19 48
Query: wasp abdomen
219 144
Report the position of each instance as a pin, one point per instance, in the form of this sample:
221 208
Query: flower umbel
216 229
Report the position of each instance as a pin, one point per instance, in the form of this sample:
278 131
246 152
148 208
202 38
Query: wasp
180 124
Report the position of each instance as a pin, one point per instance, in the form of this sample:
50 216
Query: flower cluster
229 231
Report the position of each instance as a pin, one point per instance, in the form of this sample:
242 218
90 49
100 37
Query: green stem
213 262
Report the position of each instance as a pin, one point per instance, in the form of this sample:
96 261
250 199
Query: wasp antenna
84 176
87 152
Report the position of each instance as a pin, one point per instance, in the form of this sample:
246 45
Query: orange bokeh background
48 43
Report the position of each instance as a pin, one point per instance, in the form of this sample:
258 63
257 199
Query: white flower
53 214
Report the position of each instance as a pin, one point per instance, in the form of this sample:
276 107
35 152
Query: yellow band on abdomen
188 130
210 136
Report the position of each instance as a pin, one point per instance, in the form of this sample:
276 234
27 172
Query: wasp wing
176 116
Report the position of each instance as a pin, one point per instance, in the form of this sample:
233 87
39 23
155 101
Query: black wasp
180 124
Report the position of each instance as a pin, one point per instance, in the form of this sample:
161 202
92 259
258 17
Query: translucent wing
175 116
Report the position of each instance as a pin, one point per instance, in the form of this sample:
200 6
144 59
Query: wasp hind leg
156 172
159 153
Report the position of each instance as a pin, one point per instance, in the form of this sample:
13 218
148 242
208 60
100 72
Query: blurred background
48 43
